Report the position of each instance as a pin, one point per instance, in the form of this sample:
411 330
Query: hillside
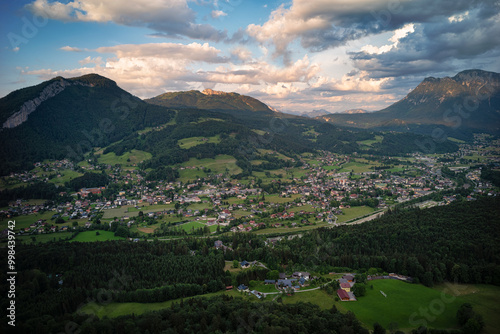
210 99
467 102
64 118
67 118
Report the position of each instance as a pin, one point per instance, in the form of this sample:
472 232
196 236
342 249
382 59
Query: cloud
16 49
88 60
176 51
323 24
398 34
172 18
217 13
436 47
71 49
150 69
257 72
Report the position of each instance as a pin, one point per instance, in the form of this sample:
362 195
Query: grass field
119 212
90 236
186 175
277 199
484 299
189 227
356 167
151 208
43 238
318 297
305 208
261 287
193 141
26 220
66 175
370 142
456 140
113 310
217 165
406 304
353 212
331 167
135 157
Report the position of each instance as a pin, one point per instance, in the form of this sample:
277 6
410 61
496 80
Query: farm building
342 294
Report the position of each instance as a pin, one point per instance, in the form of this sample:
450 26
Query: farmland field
126 159
353 212
217 165
89 236
66 175
193 141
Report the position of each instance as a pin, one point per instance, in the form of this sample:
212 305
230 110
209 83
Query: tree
75 223
121 231
236 264
60 220
359 290
378 329
474 325
464 313
273 274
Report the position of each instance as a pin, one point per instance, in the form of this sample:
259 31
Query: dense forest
458 242
69 124
237 138
40 189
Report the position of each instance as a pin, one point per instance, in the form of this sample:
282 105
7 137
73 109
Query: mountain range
209 99
468 102
69 117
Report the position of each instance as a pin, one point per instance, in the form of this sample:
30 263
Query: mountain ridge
210 99
470 100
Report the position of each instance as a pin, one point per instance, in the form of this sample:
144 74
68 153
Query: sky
296 56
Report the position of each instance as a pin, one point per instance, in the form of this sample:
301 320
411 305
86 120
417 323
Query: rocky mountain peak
209 91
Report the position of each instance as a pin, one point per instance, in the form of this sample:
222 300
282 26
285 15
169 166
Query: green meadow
90 236
193 141
220 164
113 310
126 159
408 305
354 212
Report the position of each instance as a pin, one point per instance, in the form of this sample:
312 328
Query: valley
195 206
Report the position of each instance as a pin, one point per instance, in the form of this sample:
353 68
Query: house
244 264
269 281
343 295
218 244
282 276
345 286
302 281
256 293
229 287
286 282
242 287
349 277
299 274
342 280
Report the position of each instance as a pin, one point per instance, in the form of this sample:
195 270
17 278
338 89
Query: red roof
345 285
342 294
